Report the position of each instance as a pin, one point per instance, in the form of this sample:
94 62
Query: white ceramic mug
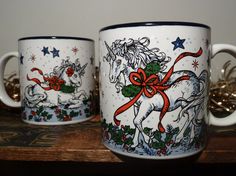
56 79
154 85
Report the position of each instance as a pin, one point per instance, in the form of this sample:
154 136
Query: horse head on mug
65 79
70 72
115 58
127 56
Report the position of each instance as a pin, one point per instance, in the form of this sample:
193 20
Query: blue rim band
155 23
54 37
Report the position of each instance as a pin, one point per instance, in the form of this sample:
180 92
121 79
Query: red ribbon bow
53 81
152 85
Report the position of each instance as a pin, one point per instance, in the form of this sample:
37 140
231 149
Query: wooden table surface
82 143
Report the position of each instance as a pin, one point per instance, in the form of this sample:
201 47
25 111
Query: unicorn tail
194 100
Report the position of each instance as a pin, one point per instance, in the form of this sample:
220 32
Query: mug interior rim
155 23
55 37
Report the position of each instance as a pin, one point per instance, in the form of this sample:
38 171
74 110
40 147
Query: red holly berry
57 111
123 138
70 71
67 118
33 113
163 151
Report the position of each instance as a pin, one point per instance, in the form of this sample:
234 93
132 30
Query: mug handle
4 97
231 119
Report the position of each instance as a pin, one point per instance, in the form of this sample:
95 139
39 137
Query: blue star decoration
21 59
178 43
45 50
55 52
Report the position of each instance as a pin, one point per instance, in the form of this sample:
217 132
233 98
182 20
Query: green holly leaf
152 68
30 117
67 89
130 90
73 114
162 144
64 112
156 145
86 101
168 137
119 142
104 124
39 110
129 130
175 131
60 116
169 128
157 135
110 127
44 113
128 141
49 116
147 130
118 137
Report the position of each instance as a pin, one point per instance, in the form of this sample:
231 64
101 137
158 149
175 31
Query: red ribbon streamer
54 82
152 85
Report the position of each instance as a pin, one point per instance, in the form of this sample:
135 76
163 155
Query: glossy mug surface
154 85
56 79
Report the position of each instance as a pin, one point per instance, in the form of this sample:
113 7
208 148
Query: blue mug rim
55 37
155 23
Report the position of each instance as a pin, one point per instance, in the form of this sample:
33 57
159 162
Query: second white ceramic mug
56 79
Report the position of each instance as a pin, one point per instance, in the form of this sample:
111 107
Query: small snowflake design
195 64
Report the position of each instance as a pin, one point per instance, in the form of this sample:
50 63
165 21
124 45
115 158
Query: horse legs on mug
180 134
136 135
136 138
196 122
75 100
144 110
192 115
192 133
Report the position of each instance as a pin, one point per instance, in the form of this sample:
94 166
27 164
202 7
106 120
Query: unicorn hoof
131 149
191 142
133 146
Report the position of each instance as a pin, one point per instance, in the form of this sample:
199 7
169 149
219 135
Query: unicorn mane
137 53
58 70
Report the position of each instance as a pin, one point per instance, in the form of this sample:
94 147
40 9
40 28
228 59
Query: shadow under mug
154 85
56 79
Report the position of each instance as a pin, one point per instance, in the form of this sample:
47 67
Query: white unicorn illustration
58 87
174 89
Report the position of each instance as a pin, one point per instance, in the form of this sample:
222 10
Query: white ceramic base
156 157
58 123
